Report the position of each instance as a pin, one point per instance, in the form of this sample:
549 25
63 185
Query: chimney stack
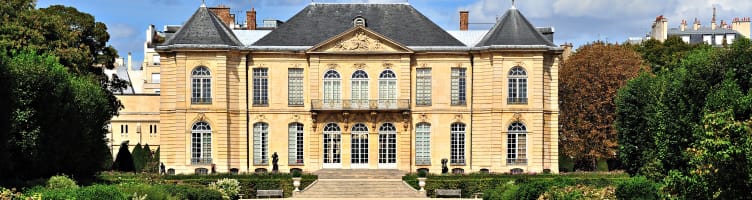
683 25
660 29
696 25
741 25
130 64
464 20
223 12
713 25
250 19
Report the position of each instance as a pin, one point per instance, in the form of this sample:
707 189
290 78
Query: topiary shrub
124 160
602 165
100 192
61 182
502 191
637 188
228 187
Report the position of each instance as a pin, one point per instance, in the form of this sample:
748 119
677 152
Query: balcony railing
382 104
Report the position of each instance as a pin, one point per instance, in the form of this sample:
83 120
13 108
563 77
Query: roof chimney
464 20
223 12
250 19
683 25
130 63
713 25
696 25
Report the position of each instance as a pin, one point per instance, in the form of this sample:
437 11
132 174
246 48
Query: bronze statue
444 168
275 159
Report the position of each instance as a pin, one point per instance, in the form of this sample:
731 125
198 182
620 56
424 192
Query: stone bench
448 193
269 193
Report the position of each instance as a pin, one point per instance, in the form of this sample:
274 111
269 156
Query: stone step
360 183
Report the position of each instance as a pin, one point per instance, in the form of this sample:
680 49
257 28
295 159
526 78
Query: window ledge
296 164
261 164
260 105
295 105
457 164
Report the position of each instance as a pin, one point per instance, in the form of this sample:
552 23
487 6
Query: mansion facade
349 86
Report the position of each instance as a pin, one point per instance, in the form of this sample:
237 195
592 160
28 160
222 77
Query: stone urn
422 184
296 183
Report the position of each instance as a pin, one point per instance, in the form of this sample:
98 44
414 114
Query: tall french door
387 146
359 144
359 90
332 146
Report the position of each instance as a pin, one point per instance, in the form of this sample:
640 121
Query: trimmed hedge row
484 183
249 183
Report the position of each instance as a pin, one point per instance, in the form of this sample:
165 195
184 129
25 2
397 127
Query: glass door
387 146
332 145
359 143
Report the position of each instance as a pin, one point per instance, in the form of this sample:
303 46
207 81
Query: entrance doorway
387 146
332 145
359 157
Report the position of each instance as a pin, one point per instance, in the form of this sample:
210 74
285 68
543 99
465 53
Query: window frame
517 80
457 143
295 143
423 87
516 137
260 143
459 86
423 143
201 142
295 87
260 86
201 85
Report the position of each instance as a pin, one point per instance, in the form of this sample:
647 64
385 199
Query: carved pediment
359 40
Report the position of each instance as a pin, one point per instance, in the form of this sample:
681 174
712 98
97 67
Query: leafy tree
589 81
664 55
636 110
124 159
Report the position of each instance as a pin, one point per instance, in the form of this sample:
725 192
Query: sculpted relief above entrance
359 42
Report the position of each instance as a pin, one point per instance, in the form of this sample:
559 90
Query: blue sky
575 21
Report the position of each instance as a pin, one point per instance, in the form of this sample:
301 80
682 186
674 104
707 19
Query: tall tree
589 81
636 109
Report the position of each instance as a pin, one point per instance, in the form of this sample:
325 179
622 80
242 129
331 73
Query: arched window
201 86
360 89
387 146
332 89
332 146
359 146
517 86
295 143
201 143
517 144
260 143
387 89
457 148
423 144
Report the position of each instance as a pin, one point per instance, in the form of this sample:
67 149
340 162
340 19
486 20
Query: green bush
100 192
503 191
191 192
61 182
228 187
637 188
531 190
602 165
152 192
566 164
52 194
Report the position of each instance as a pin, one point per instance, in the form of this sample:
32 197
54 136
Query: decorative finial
203 3
513 5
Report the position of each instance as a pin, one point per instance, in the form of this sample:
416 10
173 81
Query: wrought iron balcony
382 104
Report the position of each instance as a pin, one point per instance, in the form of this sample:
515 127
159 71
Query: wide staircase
359 183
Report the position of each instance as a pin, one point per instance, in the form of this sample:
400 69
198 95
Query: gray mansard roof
513 29
203 30
319 22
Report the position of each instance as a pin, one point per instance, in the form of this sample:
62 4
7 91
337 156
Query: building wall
137 123
487 114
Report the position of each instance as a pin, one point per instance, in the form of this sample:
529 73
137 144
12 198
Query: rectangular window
155 59
295 87
260 143
261 86
295 144
423 87
457 149
708 39
155 78
718 39
458 86
730 38
423 144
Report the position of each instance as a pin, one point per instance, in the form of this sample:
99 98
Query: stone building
346 86
716 34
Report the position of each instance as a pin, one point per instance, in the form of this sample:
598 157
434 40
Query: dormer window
359 21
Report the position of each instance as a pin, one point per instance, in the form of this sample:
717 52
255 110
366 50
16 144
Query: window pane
423 86
457 149
260 143
458 86
423 144
295 87
260 86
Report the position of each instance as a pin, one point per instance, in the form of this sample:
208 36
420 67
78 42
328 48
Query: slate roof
701 31
203 29
513 29
319 22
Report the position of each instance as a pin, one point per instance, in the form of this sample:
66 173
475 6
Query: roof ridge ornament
513 5
203 3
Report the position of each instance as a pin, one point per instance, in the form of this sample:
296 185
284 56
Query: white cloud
121 31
